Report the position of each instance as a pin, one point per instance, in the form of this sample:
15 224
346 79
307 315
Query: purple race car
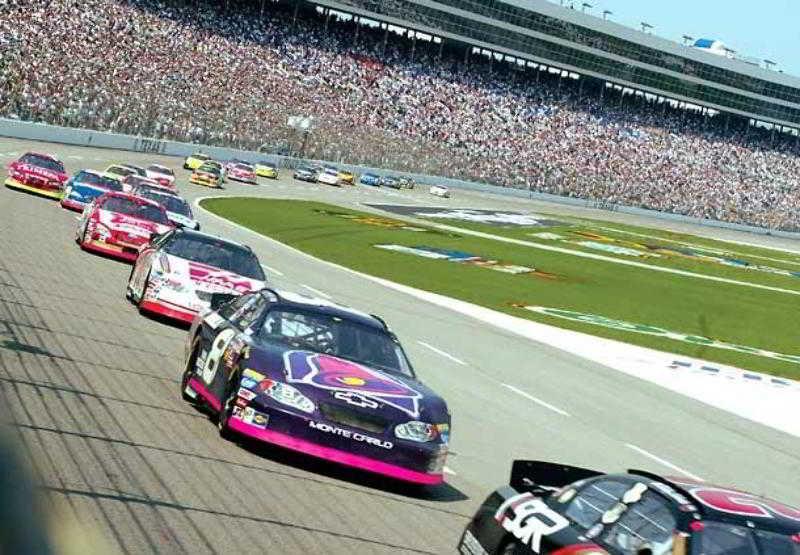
316 377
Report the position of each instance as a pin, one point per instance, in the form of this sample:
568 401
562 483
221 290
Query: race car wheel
138 301
128 288
225 414
187 372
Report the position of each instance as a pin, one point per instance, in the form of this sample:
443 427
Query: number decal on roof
741 503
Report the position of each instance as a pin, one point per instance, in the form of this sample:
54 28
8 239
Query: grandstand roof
547 33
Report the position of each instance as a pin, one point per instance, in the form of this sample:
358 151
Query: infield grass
726 312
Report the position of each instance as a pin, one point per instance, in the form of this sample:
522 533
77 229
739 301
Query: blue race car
316 377
85 186
371 179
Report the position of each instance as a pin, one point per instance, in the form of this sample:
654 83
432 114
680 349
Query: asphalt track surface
92 388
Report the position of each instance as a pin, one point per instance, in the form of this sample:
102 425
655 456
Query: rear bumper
168 310
110 249
12 183
205 182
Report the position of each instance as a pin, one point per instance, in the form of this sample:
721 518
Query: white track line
442 353
535 400
315 291
663 462
272 270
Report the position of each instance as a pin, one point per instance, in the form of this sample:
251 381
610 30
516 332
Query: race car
38 173
119 224
266 169
439 191
161 174
120 171
129 183
316 377
177 273
243 173
390 181
195 160
208 175
329 176
138 170
178 210
306 173
407 183
346 177
85 186
371 179
551 508
148 187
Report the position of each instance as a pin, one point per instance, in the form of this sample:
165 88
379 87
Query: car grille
354 419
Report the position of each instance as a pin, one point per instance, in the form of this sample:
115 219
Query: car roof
292 299
92 172
199 234
42 154
158 166
128 196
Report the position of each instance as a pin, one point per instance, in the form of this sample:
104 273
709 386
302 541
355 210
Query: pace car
85 186
195 160
207 175
119 224
319 378
161 174
178 210
266 169
241 172
177 273
38 173
371 179
306 173
551 508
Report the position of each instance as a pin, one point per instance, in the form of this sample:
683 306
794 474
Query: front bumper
126 253
293 431
72 204
205 182
12 183
168 310
242 180
264 173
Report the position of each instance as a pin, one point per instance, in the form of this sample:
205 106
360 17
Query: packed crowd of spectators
194 71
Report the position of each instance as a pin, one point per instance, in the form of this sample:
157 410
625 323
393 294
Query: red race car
119 224
37 173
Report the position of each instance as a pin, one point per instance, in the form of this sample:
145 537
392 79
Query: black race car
564 510
316 377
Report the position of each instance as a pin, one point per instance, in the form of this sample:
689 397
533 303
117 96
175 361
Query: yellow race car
266 169
195 160
119 171
346 177
208 175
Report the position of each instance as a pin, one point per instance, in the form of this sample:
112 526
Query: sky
762 29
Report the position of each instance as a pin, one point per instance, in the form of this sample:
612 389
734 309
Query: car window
249 312
649 522
42 162
592 501
723 539
231 309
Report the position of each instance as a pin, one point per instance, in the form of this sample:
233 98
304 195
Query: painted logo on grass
466 258
339 375
644 329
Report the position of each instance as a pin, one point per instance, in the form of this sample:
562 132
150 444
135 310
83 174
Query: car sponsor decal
465 258
335 374
355 436
126 224
356 399
532 519
201 273
489 217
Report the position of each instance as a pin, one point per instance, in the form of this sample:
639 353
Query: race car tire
128 288
138 302
187 372
225 413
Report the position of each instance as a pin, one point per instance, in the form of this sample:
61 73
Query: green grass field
754 318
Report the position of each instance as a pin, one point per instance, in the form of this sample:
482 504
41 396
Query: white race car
329 176
162 174
176 274
440 191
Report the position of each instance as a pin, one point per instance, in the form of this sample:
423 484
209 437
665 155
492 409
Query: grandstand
400 88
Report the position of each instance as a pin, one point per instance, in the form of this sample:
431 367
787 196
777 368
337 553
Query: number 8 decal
218 347
740 503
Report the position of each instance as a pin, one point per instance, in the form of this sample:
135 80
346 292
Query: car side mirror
220 299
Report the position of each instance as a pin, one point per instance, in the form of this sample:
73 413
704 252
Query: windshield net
217 253
321 333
